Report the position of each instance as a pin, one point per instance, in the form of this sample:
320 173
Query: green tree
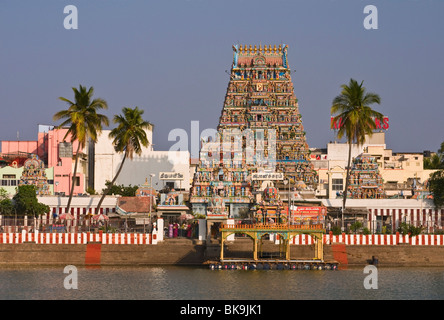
83 121
128 137
6 205
121 190
436 187
436 180
356 226
3 194
436 161
408 229
26 202
357 119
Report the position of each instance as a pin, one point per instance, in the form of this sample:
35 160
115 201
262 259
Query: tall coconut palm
83 122
357 119
128 137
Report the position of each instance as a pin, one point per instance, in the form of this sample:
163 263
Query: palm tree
83 121
352 110
129 137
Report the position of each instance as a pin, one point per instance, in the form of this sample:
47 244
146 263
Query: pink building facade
22 146
56 151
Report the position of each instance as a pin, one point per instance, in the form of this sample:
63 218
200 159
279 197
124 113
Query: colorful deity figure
171 199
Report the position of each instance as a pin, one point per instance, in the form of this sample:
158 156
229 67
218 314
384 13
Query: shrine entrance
214 230
271 246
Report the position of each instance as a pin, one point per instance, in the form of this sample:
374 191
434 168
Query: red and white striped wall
384 239
417 217
302 239
372 239
78 238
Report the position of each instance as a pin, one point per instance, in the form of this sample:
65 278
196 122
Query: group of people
174 230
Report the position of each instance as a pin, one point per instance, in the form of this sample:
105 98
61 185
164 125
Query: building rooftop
134 204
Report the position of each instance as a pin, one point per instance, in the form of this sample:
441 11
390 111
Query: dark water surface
194 283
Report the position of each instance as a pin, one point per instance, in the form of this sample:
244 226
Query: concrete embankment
187 252
182 252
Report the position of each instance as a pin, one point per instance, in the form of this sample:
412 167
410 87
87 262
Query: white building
141 169
400 171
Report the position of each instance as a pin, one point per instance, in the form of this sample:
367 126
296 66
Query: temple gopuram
365 181
34 174
260 141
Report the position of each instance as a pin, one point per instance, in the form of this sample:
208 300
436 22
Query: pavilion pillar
222 247
287 248
255 249
319 248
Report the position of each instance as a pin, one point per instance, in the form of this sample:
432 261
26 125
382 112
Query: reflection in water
192 283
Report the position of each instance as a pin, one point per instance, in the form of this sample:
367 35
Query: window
65 150
77 181
336 184
9 180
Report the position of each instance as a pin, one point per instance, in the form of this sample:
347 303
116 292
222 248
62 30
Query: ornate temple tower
261 124
365 181
34 174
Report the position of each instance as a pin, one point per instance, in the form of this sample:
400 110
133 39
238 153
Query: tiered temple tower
365 181
261 140
34 174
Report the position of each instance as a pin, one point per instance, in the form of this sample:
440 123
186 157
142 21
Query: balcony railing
272 226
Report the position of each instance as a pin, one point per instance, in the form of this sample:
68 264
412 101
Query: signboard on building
318 157
305 214
170 176
309 211
267 176
384 125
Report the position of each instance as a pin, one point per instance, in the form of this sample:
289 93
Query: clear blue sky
169 57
